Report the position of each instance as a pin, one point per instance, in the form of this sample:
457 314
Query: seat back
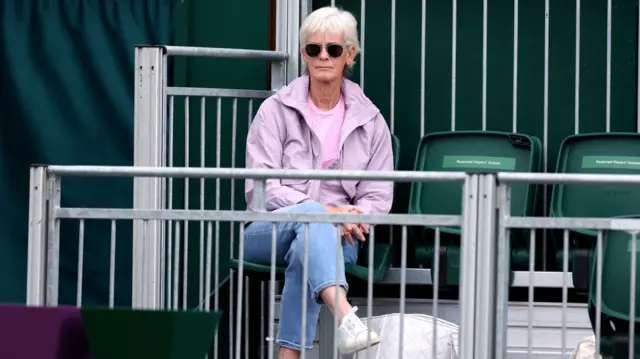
473 151
609 153
395 146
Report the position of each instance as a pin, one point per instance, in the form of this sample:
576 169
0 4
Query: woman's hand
350 230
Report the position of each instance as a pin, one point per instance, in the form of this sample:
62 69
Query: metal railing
47 213
485 246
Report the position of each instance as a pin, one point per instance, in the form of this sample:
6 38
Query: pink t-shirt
327 126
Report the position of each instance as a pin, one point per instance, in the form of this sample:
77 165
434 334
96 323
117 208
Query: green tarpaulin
67 98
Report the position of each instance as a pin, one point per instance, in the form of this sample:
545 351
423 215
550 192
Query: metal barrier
507 222
46 213
484 285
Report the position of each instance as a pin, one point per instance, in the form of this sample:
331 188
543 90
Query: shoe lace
354 324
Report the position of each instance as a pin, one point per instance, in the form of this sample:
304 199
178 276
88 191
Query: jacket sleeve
264 150
376 197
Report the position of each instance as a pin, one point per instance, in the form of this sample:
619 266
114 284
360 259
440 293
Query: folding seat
608 153
470 151
616 295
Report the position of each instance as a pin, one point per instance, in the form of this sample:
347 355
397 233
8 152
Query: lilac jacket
280 138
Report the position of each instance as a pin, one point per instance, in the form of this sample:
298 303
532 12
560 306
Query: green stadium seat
608 153
615 304
383 254
470 151
128 334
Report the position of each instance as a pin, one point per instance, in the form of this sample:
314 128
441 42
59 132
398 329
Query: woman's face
326 56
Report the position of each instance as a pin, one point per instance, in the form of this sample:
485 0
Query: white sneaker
353 334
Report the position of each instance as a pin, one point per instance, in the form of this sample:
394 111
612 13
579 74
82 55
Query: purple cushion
42 333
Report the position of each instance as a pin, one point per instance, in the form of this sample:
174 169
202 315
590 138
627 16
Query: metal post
293 39
503 281
149 143
37 246
53 240
486 269
279 68
468 248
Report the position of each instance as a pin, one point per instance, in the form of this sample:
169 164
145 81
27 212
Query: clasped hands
350 230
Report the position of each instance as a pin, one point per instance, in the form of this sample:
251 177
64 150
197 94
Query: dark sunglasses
314 50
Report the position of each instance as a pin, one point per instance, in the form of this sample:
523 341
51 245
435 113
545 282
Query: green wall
217 24
67 99
499 68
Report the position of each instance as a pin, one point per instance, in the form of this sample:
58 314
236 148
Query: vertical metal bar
545 130
598 327
306 7
293 39
372 241
436 292
80 263
207 283
503 277
565 273
333 2
240 291
185 253
632 291
530 296
145 268
608 91
176 267
207 299
484 64
638 81
516 26
485 336
403 290
203 294
112 265
163 188
258 201
468 249
53 241
37 238
170 206
363 13
262 319
454 60
149 150
423 61
392 106
247 330
576 106
272 292
216 275
305 289
334 337
279 68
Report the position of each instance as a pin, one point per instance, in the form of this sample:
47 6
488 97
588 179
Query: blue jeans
290 238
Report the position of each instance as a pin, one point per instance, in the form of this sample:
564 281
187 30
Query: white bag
586 349
417 338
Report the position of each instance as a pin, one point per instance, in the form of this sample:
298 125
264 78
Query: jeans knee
311 207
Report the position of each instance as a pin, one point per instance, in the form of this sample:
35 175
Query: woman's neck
325 95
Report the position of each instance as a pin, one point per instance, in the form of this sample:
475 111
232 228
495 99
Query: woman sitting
319 121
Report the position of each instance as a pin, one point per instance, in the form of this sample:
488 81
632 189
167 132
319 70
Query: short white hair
333 20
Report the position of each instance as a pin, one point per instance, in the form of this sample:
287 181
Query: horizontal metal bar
567 178
422 276
626 224
246 216
182 172
207 92
219 52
